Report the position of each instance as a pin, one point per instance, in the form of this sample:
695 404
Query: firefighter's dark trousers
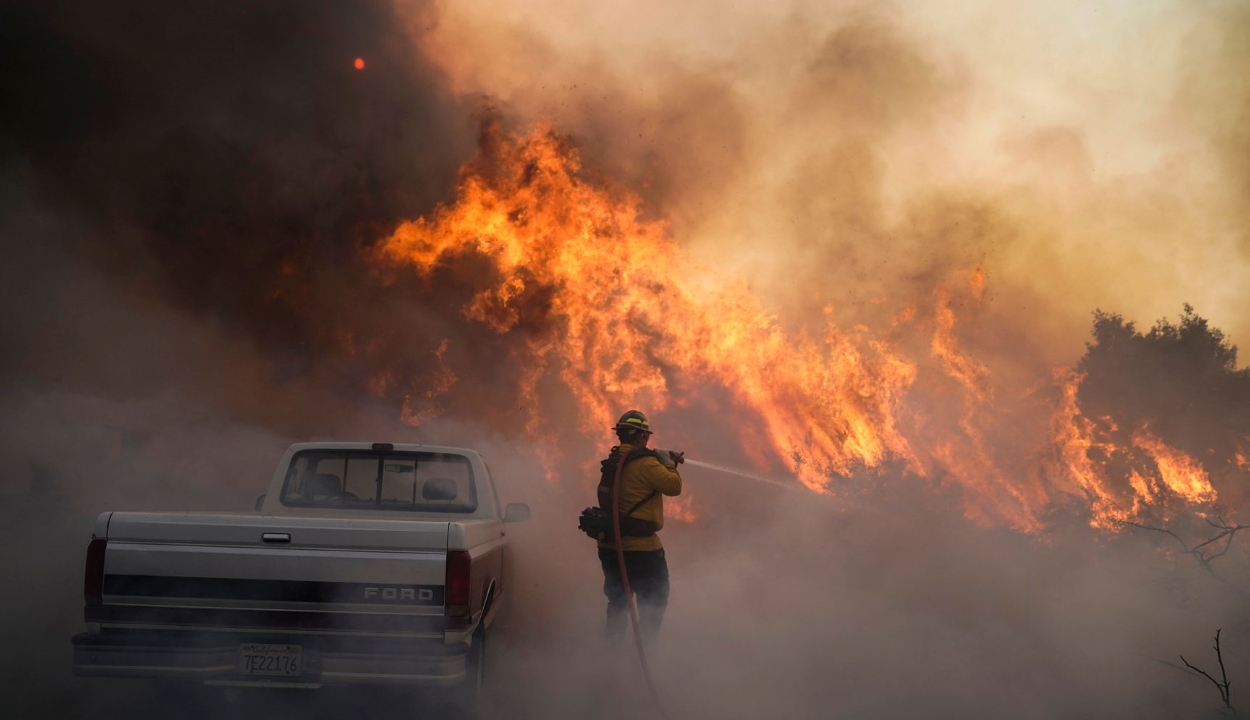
648 578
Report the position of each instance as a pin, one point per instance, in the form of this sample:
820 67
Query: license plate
270 660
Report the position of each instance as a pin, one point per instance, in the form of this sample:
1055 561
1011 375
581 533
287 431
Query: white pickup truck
364 564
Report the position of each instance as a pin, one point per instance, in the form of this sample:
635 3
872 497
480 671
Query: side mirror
260 503
516 512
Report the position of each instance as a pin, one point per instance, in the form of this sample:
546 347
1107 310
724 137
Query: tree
1180 379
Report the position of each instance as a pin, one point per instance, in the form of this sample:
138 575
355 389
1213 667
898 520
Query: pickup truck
365 564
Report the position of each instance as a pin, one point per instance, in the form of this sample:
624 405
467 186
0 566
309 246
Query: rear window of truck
364 480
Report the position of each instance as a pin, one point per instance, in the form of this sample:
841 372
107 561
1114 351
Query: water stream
791 485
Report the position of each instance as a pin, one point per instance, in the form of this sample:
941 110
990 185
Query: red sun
360 63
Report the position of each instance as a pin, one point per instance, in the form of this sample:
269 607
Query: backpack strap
641 502
640 454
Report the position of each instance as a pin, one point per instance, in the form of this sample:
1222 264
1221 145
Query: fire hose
629 595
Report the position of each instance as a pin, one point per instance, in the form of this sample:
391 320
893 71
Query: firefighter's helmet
633 420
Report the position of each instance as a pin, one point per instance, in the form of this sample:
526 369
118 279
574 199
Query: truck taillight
93 577
457 588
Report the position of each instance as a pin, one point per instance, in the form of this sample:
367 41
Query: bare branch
1199 552
1229 532
1205 543
1223 673
1205 674
1158 530
1223 687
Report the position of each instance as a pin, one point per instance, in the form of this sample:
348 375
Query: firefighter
647 476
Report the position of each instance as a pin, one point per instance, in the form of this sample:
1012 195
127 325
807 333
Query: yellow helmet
633 420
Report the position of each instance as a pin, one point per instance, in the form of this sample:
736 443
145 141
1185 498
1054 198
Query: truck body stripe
273 590
276 621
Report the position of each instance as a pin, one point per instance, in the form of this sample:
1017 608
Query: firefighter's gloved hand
670 458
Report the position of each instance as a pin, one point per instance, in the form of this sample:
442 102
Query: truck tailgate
217 571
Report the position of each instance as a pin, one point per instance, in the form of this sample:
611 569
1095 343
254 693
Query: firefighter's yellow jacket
638 479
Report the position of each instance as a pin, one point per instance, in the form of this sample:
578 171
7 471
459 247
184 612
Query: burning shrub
1164 417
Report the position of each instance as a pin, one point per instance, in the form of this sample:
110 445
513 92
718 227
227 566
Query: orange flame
1085 449
680 508
1180 473
1075 440
976 285
424 407
621 292
637 320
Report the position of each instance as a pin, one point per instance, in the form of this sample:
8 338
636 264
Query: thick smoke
189 195
232 161
1085 157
